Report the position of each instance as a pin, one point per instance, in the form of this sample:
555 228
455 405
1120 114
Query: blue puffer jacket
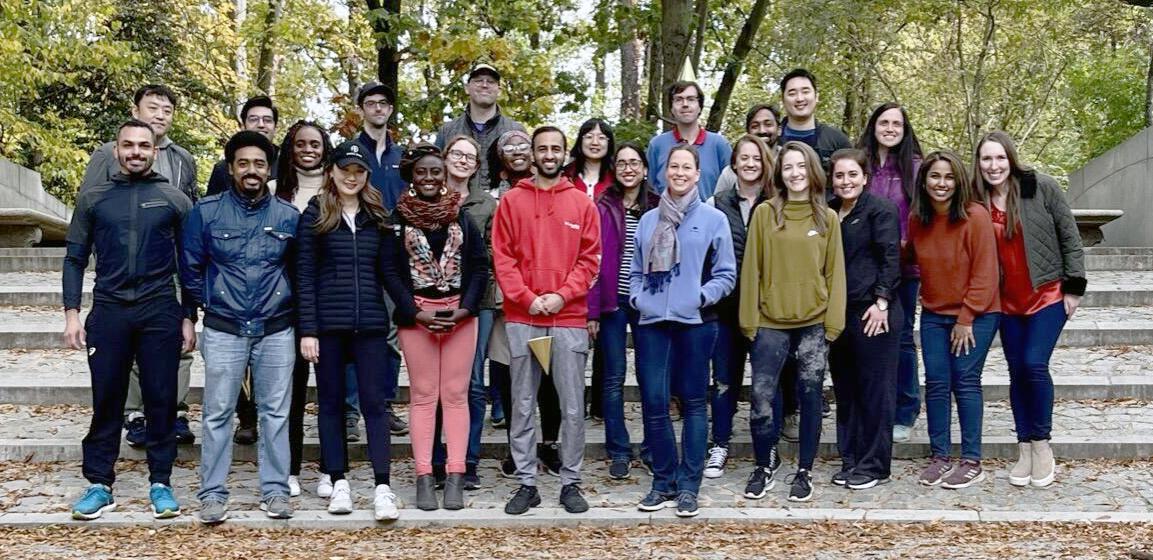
237 262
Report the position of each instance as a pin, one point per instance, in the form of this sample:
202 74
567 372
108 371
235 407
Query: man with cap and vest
236 264
481 121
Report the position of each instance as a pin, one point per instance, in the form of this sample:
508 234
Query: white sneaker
715 465
901 433
293 486
384 503
341 500
324 486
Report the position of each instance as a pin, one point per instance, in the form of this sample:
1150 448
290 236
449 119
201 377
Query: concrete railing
28 214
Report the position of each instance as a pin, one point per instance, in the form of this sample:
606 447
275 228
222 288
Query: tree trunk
736 63
702 20
676 32
387 61
351 61
653 95
1149 91
630 69
600 84
241 60
266 61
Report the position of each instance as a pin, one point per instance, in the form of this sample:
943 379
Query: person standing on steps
155 105
1042 282
792 303
800 98
894 156
686 101
546 249
953 241
375 103
135 317
343 319
763 121
682 266
482 121
258 115
435 268
238 250
863 360
611 314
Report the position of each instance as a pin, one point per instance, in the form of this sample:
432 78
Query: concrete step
1081 430
46 377
1119 258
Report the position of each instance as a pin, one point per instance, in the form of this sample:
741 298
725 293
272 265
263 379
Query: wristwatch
882 304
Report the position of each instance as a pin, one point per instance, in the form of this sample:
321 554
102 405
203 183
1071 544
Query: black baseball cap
375 88
483 68
348 153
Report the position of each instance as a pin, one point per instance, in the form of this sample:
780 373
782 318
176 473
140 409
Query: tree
735 63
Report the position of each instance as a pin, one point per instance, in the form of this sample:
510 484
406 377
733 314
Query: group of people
789 248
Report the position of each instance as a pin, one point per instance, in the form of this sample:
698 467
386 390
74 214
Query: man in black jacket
130 222
799 97
258 115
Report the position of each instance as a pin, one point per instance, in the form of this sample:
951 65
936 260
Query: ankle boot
1020 474
454 491
426 493
1044 470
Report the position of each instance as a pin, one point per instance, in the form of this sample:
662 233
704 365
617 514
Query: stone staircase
1103 373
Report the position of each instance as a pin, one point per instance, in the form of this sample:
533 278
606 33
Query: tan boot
1044 470
1021 473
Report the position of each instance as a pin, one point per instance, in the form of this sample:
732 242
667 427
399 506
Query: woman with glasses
591 169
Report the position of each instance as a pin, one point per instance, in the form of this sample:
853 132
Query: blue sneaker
164 505
96 500
137 432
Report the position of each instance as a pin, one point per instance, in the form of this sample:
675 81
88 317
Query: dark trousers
729 357
119 335
369 353
1028 342
908 383
864 370
949 377
611 351
769 352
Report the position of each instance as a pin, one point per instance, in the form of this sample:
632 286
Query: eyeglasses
376 105
685 99
510 149
634 164
257 119
457 155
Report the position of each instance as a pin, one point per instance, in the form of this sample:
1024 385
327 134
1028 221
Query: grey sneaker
791 428
938 469
965 475
352 429
213 511
277 507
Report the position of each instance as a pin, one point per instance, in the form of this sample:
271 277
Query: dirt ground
674 541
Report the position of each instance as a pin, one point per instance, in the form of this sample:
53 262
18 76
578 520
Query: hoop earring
411 191
443 190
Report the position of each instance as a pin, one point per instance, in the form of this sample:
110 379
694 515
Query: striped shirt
632 218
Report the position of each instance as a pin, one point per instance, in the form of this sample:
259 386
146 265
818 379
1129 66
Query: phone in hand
443 313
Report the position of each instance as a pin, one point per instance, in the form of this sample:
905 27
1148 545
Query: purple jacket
603 296
885 182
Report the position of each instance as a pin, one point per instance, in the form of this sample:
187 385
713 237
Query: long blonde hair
330 207
816 187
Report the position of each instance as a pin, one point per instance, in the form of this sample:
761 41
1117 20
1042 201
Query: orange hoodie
546 241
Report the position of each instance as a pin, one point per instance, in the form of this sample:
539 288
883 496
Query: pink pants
439 369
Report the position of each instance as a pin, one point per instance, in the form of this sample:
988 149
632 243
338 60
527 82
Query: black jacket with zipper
871 234
339 275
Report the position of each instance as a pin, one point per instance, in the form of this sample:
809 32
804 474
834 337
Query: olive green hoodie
793 277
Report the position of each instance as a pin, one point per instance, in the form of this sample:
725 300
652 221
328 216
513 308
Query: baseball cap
348 153
483 68
374 88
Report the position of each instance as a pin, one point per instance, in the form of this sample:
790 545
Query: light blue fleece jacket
715 152
706 273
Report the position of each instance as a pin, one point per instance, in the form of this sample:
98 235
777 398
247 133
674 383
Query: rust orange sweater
959 271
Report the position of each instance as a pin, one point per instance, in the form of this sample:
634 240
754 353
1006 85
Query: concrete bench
1089 222
25 227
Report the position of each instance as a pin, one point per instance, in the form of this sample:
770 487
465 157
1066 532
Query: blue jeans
769 352
476 389
271 359
673 359
949 377
728 375
908 385
1028 342
611 344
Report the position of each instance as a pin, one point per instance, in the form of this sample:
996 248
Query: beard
547 174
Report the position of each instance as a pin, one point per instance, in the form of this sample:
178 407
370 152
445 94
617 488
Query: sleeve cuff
1074 285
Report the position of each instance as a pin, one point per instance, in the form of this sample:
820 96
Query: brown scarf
430 214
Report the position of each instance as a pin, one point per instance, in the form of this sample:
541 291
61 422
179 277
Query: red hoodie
546 241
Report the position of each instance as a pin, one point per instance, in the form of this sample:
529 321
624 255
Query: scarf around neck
664 256
430 214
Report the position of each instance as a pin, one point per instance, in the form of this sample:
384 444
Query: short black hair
154 89
259 101
798 73
248 139
757 109
136 123
549 128
681 85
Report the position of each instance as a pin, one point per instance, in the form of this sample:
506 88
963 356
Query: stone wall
20 188
1121 179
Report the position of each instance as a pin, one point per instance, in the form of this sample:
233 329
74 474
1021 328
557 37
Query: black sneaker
499 423
508 468
245 434
184 435
549 454
619 469
647 462
471 479
687 505
572 500
826 410
842 477
439 474
137 432
655 501
396 425
524 498
864 481
759 484
802 486
774 460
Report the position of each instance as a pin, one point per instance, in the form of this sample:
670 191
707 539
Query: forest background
1068 79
